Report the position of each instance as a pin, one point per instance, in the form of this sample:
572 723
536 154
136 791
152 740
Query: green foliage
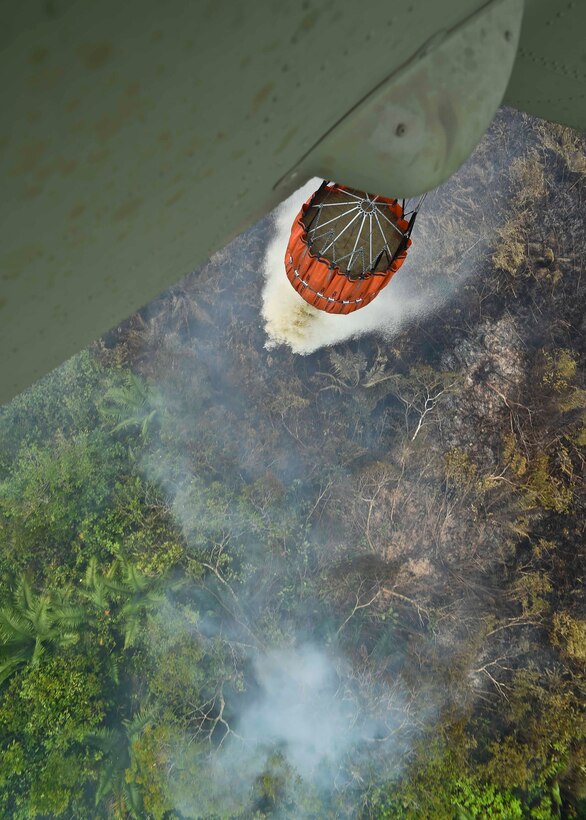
510 253
117 752
177 678
57 785
547 734
65 401
544 488
532 589
188 674
137 525
133 405
272 787
140 594
45 713
512 457
127 590
563 381
47 497
570 635
574 399
449 797
473 800
34 624
148 768
559 369
58 700
459 467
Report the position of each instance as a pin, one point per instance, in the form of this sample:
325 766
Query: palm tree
117 747
135 592
134 404
33 624
99 587
142 593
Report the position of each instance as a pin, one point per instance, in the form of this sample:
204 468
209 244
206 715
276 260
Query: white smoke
301 708
307 717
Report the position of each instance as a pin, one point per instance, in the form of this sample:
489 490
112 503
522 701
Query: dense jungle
238 582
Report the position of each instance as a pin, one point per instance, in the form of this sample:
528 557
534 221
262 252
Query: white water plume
291 321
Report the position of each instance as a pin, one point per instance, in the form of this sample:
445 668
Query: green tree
34 624
134 404
46 710
49 495
117 748
64 402
129 590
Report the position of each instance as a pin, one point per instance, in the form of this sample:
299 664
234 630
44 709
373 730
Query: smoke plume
310 710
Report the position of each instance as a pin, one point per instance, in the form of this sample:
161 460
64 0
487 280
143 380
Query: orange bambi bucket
345 247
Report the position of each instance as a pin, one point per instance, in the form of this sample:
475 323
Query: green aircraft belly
137 138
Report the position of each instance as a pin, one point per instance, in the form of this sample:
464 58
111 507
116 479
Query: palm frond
98 586
38 651
146 423
134 579
34 624
113 669
97 597
131 631
130 405
125 424
139 721
113 570
61 596
140 602
40 615
18 655
107 740
23 595
70 615
114 586
133 799
14 628
91 578
67 639
110 778
8 666
137 386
